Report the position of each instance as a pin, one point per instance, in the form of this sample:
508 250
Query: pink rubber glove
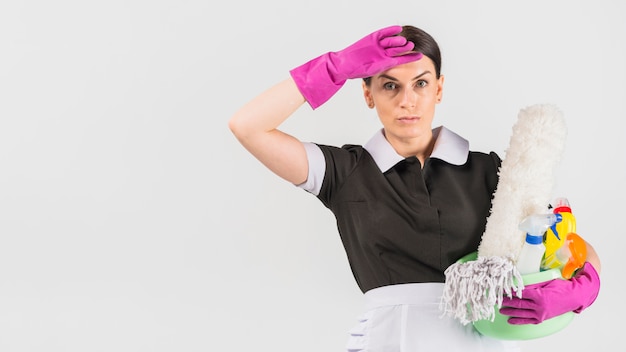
319 79
549 299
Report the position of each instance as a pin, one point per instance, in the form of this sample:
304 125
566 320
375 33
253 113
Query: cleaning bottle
533 250
556 236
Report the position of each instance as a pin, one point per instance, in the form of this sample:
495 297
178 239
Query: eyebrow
384 75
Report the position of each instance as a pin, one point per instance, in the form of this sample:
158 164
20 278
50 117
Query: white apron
407 318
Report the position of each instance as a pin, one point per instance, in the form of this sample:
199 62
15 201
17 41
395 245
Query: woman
409 203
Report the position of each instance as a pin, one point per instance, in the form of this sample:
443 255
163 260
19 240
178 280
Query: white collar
449 147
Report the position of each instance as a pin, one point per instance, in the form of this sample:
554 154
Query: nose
409 98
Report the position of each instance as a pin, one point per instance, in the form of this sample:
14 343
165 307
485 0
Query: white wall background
132 220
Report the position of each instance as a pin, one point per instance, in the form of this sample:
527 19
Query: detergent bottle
556 236
533 250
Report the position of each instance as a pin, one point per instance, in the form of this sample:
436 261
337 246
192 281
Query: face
405 97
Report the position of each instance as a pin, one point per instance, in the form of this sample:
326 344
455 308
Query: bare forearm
267 111
256 127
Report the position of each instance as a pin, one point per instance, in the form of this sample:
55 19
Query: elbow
232 126
236 127
245 127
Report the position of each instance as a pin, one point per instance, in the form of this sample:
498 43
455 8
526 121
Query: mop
473 289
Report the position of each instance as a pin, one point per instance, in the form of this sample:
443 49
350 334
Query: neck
420 147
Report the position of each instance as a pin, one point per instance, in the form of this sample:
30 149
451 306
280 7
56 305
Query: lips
408 118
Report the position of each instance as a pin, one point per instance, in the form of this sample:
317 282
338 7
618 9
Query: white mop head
473 289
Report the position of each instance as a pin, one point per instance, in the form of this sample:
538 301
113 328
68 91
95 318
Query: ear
440 88
367 94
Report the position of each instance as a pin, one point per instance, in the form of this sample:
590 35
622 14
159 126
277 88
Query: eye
389 86
421 83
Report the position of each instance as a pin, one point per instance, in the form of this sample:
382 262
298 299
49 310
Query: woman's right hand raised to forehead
319 79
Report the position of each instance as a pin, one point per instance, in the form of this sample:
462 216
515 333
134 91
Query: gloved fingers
403 50
388 31
396 41
518 303
394 44
518 312
522 321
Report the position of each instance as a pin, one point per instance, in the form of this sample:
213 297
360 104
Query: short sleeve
317 169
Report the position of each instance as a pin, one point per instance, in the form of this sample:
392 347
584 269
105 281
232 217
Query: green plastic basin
500 329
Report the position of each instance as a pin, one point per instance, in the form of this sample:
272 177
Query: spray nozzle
537 224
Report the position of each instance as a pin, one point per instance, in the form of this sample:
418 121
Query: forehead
412 69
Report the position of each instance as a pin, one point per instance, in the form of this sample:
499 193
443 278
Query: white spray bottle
535 226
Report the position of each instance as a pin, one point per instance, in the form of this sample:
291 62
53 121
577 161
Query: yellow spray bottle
557 235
